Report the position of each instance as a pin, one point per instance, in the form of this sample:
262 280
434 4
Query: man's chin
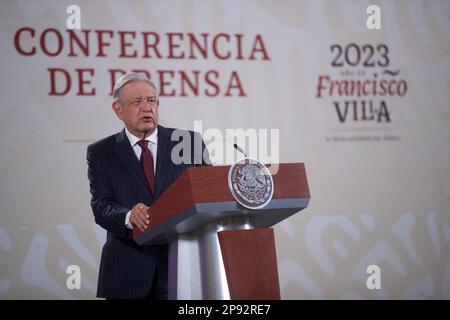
148 128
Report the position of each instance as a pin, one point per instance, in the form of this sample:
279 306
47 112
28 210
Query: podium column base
250 262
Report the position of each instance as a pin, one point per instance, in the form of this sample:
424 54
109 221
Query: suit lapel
126 154
163 157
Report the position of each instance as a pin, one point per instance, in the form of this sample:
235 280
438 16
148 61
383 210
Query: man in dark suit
127 172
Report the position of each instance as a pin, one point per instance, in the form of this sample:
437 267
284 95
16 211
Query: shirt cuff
127 221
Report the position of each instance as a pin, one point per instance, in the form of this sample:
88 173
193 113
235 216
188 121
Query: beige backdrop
380 190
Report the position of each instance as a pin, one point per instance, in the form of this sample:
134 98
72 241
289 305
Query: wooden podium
219 249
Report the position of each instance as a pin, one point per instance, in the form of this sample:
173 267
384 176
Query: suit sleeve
108 214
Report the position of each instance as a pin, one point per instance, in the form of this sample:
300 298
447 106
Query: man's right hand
139 216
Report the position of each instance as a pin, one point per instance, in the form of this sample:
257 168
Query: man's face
139 108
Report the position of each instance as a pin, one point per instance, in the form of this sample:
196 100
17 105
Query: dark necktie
147 163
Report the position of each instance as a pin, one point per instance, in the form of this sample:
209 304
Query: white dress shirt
153 147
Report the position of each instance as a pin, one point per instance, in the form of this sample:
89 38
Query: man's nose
146 106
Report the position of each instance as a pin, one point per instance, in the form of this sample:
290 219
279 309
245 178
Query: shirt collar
153 138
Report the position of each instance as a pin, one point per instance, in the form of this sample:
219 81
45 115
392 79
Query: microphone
239 149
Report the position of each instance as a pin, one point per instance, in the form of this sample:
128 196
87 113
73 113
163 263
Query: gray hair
127 78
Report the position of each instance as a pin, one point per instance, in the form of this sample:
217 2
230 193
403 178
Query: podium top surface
201 195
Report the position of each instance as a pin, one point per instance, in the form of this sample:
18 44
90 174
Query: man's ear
117 107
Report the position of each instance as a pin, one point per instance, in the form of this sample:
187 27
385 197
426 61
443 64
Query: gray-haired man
128 171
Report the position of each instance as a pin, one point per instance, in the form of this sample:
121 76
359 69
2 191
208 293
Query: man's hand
139 216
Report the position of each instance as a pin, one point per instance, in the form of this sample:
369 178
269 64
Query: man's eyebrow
140 98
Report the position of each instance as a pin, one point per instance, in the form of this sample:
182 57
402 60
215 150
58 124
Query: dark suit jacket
117 183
